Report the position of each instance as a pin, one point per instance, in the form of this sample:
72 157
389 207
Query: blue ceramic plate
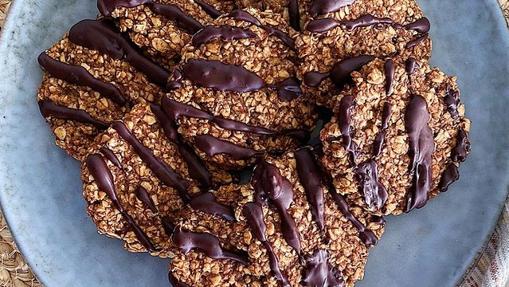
40 188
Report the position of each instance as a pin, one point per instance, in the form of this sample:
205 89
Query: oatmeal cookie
397 137
292 226
92 77
139 175
235 95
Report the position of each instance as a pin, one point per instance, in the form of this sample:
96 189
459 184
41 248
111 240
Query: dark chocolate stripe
319 272
421 147
242 15
416 41
458 155
449 176
389 76
170 11
208 244
207 202
213 146
223 32
179 17
375 194
78 75
288 89
366 235
268 182
310 177
380 137
142 194
346 104
195 166
100 35
387 109
209 9
177 110
254 217
224 77
105 182
164 172
294 14
320 7
462 147
108 153
421 26
50 109
340 73
452 101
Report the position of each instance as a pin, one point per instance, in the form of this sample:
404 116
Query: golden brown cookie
397 137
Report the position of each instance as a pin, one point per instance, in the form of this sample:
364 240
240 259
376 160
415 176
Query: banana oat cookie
92 77
398 136
163 27
293 228
139 175
235 95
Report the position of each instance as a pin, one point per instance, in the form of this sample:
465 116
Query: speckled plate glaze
40 188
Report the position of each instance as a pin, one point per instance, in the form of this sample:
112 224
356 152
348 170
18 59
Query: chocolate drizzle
206 243
142 194
99 35
320 7
288 89
416 41
380 137
346 105
207 203
294 14
389 76
310 178
224 32
366 235
105 182
375 194
170 11
220 76
320 273
78 75
270 185
340 73
246 17
462 147
209 9
213 146
452 100
108 153
195 166
176 110
421 26
421 149
449 176
164 172
179 17
254 217
50 109
387 109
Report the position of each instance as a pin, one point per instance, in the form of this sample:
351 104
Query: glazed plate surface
40 188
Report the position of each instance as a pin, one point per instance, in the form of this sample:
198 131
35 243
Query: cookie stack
256 143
